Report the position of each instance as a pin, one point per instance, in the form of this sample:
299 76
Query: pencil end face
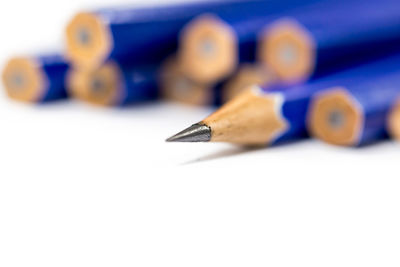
336 118
394 122
99 87
176 87
88 40
208 49
288 49
196 133
24 80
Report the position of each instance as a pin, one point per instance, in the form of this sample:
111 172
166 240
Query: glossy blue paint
55 69
142 35
376 98
137 84
247 27
348 33
297 99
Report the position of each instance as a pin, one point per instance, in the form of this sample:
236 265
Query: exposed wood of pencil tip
100 87
252 118
176 87
24 80
88 40
247 76
208 49
394 121
336 117
288 49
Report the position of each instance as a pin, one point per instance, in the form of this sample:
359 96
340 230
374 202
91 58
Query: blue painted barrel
140 35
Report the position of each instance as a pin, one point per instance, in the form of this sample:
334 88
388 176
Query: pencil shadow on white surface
240 150
225 153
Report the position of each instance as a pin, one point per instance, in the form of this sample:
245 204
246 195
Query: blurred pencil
247 75
176 87
264 115
36 78
137 35
329 37
212 45
114 84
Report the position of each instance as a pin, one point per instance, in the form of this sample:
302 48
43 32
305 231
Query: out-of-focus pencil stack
318 84
322 67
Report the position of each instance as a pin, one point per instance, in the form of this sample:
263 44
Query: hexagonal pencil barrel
328 37
357 114
114 84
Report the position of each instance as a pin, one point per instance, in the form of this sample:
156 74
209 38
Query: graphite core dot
17 80
97 86
288 54
83 36
336 119
208 47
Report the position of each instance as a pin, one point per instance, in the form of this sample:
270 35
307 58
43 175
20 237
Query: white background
85 186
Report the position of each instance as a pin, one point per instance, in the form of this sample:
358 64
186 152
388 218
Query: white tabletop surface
86 186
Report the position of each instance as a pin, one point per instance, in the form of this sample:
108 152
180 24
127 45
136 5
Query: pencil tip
196 133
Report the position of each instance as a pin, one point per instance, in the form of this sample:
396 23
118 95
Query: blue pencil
265 115
139 35
36 79
114 84
356 114
318 40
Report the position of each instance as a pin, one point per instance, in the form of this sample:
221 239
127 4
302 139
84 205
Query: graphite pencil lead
196 133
